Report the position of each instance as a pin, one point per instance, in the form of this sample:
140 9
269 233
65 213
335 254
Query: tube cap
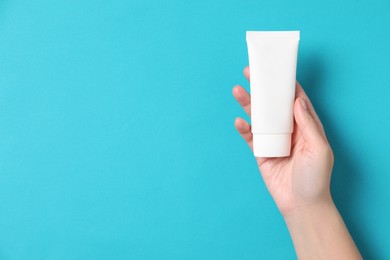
271 145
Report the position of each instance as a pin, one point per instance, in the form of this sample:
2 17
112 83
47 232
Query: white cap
271 145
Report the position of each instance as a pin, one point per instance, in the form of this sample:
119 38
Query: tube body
272 64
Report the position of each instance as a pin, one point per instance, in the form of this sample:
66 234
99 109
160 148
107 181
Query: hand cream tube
272 64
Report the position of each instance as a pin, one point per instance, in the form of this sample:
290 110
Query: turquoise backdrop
117 137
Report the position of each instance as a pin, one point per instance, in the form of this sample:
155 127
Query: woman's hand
303 178
300 183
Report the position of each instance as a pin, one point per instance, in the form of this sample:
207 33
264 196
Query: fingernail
303 104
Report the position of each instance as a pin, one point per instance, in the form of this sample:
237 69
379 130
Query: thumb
306 123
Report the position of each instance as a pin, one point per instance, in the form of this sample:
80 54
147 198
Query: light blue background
117 137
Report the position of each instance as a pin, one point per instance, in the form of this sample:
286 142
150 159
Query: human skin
300 183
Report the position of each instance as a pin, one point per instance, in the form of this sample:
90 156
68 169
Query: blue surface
116 126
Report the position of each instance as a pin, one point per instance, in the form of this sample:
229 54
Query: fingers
300 92
243 98
306 117
246 73
245 131
306 123
242 95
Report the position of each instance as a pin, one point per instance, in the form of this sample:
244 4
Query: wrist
310 210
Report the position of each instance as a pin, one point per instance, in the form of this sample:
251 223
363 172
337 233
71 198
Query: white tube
272 64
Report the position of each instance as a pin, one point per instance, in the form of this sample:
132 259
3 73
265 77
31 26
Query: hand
299 184
303 178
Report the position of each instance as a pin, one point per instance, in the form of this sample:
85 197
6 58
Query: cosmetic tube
272 64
